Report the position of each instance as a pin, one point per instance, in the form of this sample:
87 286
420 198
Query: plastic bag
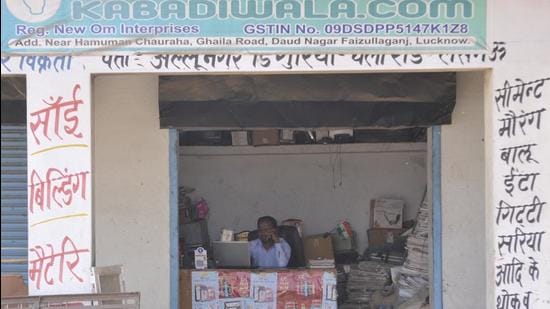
201 209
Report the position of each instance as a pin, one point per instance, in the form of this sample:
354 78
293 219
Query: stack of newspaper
414 273
410 285
342 281
321 263
364 279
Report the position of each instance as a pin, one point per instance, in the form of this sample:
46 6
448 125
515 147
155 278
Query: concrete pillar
132 184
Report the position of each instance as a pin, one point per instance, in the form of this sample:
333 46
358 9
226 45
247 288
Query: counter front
258 288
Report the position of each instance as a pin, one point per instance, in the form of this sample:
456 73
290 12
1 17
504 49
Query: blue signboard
242 26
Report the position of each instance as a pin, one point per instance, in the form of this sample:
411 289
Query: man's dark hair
267 219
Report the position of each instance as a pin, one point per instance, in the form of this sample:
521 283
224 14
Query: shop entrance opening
342 158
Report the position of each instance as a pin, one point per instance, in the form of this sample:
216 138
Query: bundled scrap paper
414 273
321 263
364 279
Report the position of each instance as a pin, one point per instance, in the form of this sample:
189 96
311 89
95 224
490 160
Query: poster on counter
263 290
205 289
234 290
297 290
330 293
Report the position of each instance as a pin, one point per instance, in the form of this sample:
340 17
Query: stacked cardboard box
239 138
265 137
319 251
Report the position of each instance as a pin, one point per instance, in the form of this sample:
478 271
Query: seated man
269 250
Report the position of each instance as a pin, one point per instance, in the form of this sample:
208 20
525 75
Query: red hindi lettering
36 265
50 263
69 114
68 249
39 121
71 265
58 186
53 178
41 118
37 194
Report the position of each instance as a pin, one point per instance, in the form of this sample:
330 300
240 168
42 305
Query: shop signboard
243 26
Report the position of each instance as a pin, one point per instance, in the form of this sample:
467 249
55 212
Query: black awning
307 101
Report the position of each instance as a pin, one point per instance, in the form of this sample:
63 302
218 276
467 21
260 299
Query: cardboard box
382 237
318 247
287 136
386 214
13 285
186 298
239 138
265 137
320 134
333 133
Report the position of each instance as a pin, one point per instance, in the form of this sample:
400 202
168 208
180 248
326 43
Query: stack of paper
364 279
342 281
414 273
321 263
394 259
409 285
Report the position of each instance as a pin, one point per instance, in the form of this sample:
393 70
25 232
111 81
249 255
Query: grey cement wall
131 184
463 198
317 183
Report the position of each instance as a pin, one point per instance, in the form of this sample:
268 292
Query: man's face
265 231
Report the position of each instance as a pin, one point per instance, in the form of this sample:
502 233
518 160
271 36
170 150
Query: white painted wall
315 183
131 184
527 29
463 192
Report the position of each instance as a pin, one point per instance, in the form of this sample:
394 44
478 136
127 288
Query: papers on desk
410 285
321 263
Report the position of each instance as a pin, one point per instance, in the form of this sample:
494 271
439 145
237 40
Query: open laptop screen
231 254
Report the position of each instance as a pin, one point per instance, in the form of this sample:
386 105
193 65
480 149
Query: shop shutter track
14 200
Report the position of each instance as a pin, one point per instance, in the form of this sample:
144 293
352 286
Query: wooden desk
258 288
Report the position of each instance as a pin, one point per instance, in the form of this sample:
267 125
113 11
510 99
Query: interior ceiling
306 101
410 87
227 102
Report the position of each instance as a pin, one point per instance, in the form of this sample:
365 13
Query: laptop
231 254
